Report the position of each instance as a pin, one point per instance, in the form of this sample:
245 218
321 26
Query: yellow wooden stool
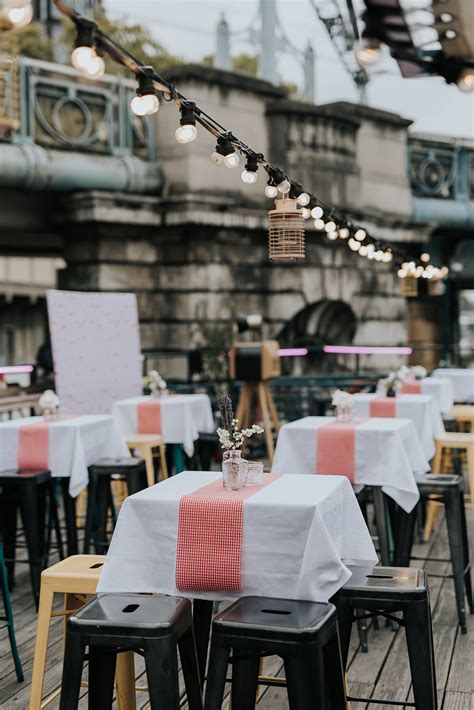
464 416
76 577
443 463
146 443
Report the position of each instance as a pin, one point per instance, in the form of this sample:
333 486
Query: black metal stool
383 591
154 626
304 634
448 490
29 491
99 495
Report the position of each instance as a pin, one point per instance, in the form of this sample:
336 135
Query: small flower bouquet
48 404
418 372
155 383
395 380
344 403
234 467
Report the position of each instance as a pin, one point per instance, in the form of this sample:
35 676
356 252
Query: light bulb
186 133
217 158
367 52
319 224
418 271
82 56
343 233
387 257
401 273
231 160
330 227
95 68
332 235
303 199
317 212
305 213
444 271
354 245
249 176
271 191
465 80
284 186
21 15
145 105
378 255
425 257
370 248
363 250
360 235
371 255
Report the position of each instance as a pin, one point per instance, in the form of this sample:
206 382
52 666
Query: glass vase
234 470
344 413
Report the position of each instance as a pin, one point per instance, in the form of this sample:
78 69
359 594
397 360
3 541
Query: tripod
251 395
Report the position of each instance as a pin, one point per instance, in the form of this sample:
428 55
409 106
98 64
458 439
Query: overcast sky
187 28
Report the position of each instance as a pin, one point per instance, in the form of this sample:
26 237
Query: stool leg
161 663
147 455
334 673
470 472
103 497
419 637
53 508
163 462
125 681
101 677
9 617
90 506
345 617
218 662
382 529
41 646
362 629
8 523
466 556
72 672
202 617
69 504
244 679
405 534
456 547
306 684
189 664
29 509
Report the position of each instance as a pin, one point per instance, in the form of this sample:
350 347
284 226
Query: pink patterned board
210 531
335 454
149 417
383 407
33 446
411 387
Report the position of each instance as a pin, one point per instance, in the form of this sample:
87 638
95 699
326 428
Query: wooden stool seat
76 577
463 414
145 443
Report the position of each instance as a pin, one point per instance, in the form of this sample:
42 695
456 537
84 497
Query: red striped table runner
210 531
335 449
33 446
411 387
149 417
383 407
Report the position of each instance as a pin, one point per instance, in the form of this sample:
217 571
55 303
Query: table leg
382 525
125 681
178 458
70 517
202 617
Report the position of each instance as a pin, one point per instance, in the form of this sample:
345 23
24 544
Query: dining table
293 536
462 382
421 409
438 387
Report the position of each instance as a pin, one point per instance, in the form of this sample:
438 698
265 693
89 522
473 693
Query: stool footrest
380 702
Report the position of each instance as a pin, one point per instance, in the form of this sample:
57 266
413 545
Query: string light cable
92 44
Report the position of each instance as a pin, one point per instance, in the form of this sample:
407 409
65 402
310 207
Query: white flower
341 398
155 381
402 373
48 400
418 371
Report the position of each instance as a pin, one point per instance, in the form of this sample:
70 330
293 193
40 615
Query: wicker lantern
409 286
285 232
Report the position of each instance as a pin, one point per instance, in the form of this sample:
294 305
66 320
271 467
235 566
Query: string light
343 233
353 244
465 80
319 224
249 173
367 52
224 153
305 213
15 14
186 131
363 250
145 103
360 235
301 196
425 257
330 227
271 190
317 212
84 56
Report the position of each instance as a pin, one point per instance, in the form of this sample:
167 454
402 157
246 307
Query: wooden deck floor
381 673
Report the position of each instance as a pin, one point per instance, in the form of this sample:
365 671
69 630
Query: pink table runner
383 407
33 446
336 449
210 529
411 387
149 417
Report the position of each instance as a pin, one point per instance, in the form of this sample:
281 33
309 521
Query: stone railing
53 106
441 169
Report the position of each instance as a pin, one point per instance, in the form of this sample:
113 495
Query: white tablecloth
388 453
299 533
462 381
183 416
420 408
74 444
441 389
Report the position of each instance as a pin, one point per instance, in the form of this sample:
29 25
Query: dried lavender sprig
224 403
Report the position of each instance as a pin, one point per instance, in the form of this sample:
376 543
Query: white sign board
96 349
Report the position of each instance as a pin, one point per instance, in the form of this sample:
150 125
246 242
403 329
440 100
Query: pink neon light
366 350
292 352
15 369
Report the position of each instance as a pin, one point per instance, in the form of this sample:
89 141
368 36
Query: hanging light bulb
317 212
304 199
387 257
343 233
297 192
353 244
84 51
363 250
284 186
249 173
280 180
15 14
231 160
146 101
330 227
217 157
370 248
332 235
360 235
271 190
401 273
367 52
82 56
425 257
224 153
465 80
319 224
305 213
186 131
378 255
95 68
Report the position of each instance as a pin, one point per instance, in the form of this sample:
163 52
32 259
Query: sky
186 28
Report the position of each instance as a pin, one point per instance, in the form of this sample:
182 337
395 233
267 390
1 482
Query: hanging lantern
436 287
285 232
409 286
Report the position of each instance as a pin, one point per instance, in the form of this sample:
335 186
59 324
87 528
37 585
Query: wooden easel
258 393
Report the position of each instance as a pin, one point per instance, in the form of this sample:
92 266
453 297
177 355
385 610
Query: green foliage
245 64
216 340
32 43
